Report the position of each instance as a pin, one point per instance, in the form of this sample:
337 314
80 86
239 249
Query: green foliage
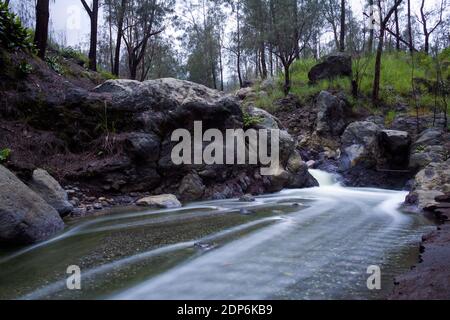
390 117
13 35
4 154
107 75
71 53
25 68
267 102
250 121
54 63
396 75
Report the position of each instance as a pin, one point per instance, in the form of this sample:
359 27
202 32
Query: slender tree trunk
287 77
296 35
93 16
121 17
111 57
397 31
371 31
221 69
271 60
263 61
93 43
410 36
41 32
342 35
377 77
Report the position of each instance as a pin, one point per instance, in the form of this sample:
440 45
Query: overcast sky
69 20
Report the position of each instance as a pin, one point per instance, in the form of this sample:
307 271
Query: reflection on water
298 244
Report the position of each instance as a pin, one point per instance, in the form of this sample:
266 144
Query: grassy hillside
396 85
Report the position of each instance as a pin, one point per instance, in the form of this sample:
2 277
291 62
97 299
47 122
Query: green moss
4 154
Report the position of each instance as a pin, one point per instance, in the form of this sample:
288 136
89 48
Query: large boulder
431 182
360 145
263 119
145 146
299 173
332 114
428 148
191 187
51 191
25 217
395 147
335 65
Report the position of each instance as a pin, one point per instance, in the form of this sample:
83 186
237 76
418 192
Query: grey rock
144 145
431 182
335 65
51 191
395 146
168 201
191 187
331 117
25 217
360 145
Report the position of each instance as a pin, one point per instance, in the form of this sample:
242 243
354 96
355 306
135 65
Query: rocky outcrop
25 217
118 141
165 201
360 145
50 190
332 115
395 146
431 182
191 188
429 147
333 66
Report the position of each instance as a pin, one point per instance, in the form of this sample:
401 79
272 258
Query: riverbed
297 244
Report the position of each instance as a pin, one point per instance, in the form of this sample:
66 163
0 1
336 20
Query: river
297 244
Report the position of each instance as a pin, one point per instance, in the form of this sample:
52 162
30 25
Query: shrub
25 68
13 35
107 75
54 63
71 53
390 117
4 154
250 121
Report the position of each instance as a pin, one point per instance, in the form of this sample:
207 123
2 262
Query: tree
236 40
120 20
342 34
330 10
410 35
93 16
371 25
142 21
425 16
41 32
383 23
286 34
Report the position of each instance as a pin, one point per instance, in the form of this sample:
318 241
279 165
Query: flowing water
297 244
